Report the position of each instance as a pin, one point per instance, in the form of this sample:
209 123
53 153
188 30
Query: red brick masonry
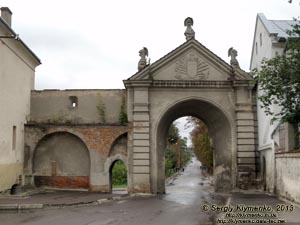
71 182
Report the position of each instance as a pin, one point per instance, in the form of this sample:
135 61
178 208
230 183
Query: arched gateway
191 80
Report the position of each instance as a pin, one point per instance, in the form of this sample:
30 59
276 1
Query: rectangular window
282 137
256 50
14 137
260 39
74 101
296 133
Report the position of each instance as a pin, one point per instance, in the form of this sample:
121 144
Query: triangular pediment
191 61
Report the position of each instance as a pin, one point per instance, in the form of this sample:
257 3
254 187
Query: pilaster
141 140
246 128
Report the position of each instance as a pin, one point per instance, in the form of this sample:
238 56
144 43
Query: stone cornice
190 84
137 83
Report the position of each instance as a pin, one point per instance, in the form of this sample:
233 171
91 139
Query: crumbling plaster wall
76 106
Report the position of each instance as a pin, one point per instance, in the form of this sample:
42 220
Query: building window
297 137
74 101
14 137
260 39
281 137
256 48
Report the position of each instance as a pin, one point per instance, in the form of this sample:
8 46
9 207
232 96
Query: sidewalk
269 210
56 198
286 212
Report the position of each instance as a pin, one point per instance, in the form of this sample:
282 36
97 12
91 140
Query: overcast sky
95 44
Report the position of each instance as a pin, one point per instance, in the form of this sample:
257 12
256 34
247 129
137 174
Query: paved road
180 206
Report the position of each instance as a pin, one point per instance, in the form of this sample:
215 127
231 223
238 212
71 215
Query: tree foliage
177 153
201 143
119 174
279 79
173 134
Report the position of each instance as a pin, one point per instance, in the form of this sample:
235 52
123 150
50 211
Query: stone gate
74 136
192 81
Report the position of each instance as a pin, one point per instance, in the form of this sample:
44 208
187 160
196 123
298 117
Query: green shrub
119 174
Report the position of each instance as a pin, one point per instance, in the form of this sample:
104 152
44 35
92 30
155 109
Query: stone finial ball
188 20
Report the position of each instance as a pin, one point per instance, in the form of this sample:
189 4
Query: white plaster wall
287 176
16 82
268 154
265 127
266 50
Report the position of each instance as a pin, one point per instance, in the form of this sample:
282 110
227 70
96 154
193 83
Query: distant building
279 167
17 73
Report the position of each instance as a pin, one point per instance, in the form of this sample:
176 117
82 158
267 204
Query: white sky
95 44
184 131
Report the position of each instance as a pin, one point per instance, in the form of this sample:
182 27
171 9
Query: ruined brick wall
98 140
69 182
119 146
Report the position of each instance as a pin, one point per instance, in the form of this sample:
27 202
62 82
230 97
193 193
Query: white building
17 73
275 140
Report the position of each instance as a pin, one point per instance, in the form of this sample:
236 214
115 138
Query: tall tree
176 153
201 142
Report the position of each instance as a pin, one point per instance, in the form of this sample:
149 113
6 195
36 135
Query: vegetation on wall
59 118
101 108
123 119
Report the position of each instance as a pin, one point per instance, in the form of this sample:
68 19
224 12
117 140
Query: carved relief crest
191 67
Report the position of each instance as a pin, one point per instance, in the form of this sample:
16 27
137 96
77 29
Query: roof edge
20 40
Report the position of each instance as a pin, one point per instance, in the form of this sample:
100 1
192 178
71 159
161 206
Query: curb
19 207
170 179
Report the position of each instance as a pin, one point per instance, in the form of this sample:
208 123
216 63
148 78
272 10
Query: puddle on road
190 187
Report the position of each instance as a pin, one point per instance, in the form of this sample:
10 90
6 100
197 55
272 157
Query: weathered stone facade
192 81
189 81
74 137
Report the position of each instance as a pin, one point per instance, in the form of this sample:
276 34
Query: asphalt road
180 206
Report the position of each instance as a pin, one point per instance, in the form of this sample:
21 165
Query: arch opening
220 133
118 177
61 160
188 140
